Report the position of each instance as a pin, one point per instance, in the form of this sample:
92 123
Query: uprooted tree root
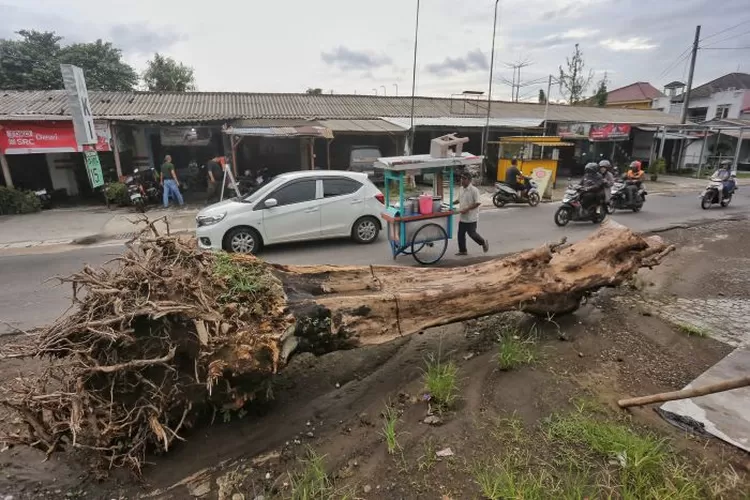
166 333
145 349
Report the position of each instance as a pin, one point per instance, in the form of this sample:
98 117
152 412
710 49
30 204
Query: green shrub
13 201
657 167
117 193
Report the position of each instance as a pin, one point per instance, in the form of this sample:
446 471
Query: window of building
722 111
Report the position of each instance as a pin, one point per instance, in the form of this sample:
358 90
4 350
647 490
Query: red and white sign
20 138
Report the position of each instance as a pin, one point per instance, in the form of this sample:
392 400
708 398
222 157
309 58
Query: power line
725 30
729 38
685 54
726 48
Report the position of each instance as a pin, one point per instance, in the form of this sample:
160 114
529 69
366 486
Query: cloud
570 35
140 39
474 60
631 44
348 59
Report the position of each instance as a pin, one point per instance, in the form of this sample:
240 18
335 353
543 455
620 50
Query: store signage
94 168
80 106
17 138
610 132
594 132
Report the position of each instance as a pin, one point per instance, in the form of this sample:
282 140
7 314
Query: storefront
595 141
45 155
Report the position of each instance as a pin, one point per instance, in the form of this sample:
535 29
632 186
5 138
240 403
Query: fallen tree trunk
170 331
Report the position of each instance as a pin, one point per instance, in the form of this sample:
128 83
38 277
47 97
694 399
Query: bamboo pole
726 385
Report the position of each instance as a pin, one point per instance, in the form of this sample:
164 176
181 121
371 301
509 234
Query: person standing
214 178
169 182
468 208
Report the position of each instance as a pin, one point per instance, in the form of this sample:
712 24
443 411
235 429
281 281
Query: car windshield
253 195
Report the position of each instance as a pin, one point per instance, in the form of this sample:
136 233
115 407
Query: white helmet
605 163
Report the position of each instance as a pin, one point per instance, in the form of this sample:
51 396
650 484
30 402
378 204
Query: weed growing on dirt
428 459
440 380
639 465
515 349
691 330
246 279
313 482
511 477
390 417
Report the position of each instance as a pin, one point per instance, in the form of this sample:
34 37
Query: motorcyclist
512 176
593 186
724 174
634 176
605 170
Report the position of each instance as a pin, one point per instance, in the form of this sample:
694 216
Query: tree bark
339 307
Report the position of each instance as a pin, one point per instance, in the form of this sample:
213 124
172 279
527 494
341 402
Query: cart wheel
429 244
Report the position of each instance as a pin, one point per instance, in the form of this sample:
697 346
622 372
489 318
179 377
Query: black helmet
591 168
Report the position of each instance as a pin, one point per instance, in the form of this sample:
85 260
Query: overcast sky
359 46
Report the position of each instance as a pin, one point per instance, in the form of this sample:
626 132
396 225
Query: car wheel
365 230
242 240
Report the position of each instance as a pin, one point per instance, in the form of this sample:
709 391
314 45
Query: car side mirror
271 202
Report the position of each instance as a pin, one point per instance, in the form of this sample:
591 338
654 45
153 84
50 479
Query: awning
364 126
315 131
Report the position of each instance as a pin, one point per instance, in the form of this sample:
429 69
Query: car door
296 215
343 202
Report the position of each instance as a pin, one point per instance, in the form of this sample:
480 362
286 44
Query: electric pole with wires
686 101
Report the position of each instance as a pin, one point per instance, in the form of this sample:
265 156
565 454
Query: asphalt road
26 301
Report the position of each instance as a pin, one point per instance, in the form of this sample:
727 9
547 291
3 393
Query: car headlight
209 220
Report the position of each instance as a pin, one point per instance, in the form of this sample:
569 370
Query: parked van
362 159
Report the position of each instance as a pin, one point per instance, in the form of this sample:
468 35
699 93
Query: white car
297 206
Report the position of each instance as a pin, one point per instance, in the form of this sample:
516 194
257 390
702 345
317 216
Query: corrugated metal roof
182 107
303 131
364 126
464 122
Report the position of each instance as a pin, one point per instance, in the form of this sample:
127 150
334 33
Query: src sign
47 137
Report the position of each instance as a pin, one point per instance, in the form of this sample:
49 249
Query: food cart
532 152
421 226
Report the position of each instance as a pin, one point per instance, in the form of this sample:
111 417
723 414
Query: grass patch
440 382
247 280
313 482
515 350
691 330
390 417
511 477
632 465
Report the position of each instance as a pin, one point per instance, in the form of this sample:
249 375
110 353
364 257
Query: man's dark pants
469 228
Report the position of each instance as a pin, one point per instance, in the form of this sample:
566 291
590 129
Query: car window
295 192
339 187
365 154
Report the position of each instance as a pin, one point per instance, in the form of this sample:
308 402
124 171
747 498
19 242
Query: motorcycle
573 210
135 192
44 198
619 196
150 187
507 194
710 195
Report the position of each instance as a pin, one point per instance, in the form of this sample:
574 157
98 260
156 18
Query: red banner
47 137
609 132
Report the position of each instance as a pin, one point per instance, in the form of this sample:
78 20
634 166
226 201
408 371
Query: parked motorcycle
507 194
619 196
135 192
710 195
44 198
150 187
572 209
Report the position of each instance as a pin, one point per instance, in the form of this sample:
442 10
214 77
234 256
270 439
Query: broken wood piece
692 392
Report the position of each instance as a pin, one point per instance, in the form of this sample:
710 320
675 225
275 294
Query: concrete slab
725 415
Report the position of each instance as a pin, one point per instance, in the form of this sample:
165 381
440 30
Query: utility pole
515 84
412 132
686 100
486 133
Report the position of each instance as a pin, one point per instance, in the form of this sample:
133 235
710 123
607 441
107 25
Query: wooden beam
6 170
